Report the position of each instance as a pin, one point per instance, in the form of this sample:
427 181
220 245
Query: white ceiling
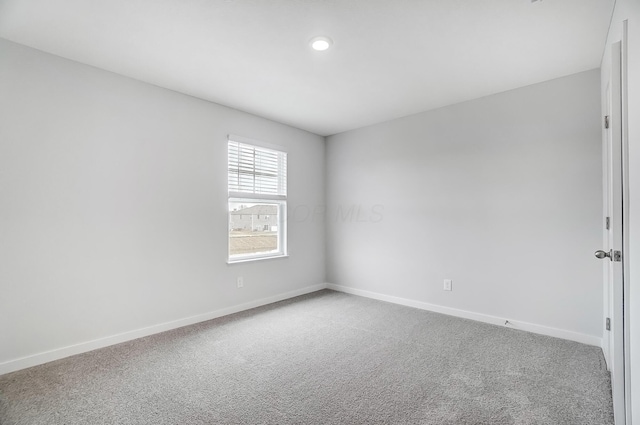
391 58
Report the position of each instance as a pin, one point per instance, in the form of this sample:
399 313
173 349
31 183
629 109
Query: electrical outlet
447 284
240 282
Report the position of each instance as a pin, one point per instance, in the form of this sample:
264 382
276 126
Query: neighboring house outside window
256 218
257 201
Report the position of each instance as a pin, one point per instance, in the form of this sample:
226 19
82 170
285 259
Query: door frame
625 220
621 392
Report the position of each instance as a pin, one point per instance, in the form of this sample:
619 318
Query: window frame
280 200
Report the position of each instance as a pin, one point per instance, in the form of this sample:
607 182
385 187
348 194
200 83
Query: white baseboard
494 320
83 347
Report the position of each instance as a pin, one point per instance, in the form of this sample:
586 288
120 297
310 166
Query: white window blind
254 170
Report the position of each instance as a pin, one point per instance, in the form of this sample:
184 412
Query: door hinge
608 324
606 121
617 256
608 223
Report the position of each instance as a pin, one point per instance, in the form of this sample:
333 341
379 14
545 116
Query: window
257 201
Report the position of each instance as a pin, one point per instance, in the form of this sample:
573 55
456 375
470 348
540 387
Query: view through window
257 202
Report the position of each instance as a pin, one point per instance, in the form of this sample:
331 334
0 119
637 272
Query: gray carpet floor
323 358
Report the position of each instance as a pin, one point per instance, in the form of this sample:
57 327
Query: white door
612 251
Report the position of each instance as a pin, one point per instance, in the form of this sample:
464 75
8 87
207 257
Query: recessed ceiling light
320 43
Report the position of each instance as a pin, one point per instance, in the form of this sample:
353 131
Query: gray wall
501 194
113 213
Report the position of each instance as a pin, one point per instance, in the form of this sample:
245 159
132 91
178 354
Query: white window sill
252 259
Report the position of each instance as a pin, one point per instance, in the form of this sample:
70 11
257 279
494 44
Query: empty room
320 212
